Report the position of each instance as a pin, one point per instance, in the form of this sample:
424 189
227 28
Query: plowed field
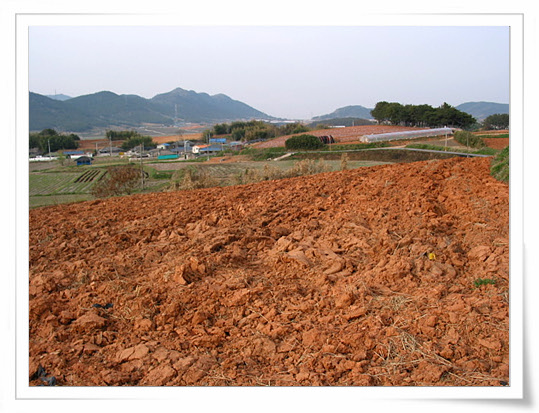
391 275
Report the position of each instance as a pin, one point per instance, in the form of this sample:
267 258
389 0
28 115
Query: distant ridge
107 109
59 97
354 111
482 110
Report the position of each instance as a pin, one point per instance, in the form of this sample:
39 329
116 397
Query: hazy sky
284 71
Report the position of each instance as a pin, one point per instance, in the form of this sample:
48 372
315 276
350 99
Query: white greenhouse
393 136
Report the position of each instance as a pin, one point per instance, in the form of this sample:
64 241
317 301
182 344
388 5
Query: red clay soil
362 278
496 143
349 134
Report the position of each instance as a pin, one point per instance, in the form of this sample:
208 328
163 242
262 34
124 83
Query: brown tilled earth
360 278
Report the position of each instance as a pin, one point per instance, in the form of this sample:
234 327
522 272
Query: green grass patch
430 147
486 151
483 281
503 135
156 174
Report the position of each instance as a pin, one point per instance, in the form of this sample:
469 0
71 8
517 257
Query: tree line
49 140
254 130
497 121
131 139
121 135
395 113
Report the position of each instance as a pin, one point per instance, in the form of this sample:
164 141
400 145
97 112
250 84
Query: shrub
468 139
195 178
307 167
120 180
304 142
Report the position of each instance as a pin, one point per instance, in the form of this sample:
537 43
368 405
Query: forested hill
107 109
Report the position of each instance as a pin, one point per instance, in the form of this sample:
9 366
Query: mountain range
107 109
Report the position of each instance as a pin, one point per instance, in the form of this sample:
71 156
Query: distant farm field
52 187
62 183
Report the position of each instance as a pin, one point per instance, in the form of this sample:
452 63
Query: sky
295 72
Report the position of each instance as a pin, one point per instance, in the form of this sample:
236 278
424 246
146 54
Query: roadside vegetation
500 166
